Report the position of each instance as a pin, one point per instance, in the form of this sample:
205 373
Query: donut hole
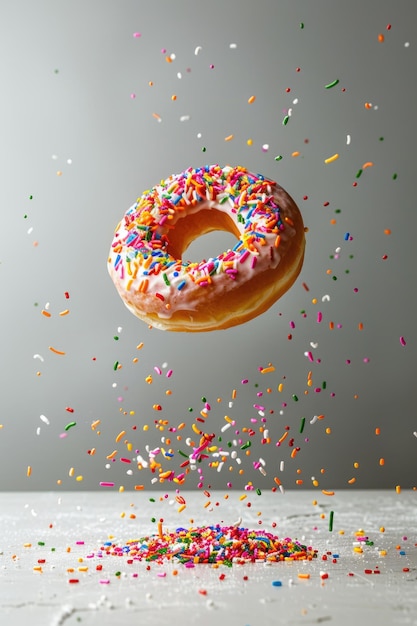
202 235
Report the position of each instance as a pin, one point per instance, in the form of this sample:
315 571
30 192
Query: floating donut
169 293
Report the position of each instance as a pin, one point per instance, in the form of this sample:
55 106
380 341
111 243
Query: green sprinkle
151 499
203 399
25 216
153 520
302 424
332 84
183 454
381 139
338 211
190 409
334 277
331 521
203 149
246 445
324 384
41 543
30 197
301 25
394 177
259 492
116 365
278 158
118 573
166 279
116 338
359 172
70 425
285 120
294 397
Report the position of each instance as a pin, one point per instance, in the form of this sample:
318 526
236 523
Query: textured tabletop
65 559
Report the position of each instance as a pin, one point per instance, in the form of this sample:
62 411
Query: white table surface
349 595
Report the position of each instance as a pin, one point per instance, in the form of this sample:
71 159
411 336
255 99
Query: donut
167 292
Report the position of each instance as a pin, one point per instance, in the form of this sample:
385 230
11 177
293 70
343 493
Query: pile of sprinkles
221 545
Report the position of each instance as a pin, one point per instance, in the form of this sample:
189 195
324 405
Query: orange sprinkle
229 137
29 471
111 455
351 481
55 351
65 312
381 38
367 164
360 326
377 431
382 461
387 231
46 313
301 575
327 493
251 99
139 487
295 154
368 105
120 435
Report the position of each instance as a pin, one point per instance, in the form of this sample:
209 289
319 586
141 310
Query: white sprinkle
44 419
30 230
38 430
185 118
69 161
119 329
179 75
347 140
314 344
220 465
199 135
233 46
326 297
415 433
289 112
407 44
38 356
197 50
47 306
295 101
129 472
265 147
172 56
313 420
54 156
281 488
225 427
281 466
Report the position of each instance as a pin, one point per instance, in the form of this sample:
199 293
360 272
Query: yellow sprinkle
139 346
37 568
29 471
79 479
249 142
71 472
65 312
243 496
266 370
181 508
332 158
382 553
229 137
398 489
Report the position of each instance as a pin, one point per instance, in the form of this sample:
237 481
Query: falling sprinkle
332 84
332 158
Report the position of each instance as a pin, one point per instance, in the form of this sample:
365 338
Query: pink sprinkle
157 370
319 317
292 325
104 484
136 34
169 373
402 341
104 581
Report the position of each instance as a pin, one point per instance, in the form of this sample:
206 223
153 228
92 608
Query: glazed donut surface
169 293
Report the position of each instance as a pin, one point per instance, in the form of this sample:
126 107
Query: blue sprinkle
347 236
276 583
181 285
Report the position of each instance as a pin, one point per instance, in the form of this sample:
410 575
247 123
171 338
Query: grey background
68 72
